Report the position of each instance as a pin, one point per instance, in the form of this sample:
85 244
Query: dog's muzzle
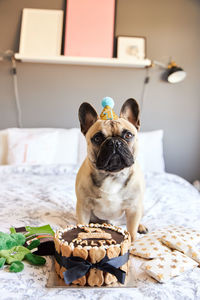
114 155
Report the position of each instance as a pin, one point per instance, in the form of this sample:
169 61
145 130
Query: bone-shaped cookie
96 277
94 235
92 229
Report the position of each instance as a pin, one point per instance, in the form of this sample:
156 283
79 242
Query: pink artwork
89 28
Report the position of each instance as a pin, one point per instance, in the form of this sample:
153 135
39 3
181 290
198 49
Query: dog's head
111 144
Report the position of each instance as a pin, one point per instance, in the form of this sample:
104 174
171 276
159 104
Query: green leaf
16 267
7 241
35 259
19 238
13 254
2 262
39 230
33 244
12 230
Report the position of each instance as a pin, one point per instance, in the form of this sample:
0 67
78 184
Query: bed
40 194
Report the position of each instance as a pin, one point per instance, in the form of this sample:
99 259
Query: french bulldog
110 182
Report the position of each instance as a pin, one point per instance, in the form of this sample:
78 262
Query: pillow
176 237
31 148
43 146
167 266
150 155
67 147
82 148
148 247
184 233
182 244
3 147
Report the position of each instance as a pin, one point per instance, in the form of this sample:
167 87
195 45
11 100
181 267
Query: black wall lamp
173 73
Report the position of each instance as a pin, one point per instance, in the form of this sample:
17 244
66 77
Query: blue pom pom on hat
108 101
107 112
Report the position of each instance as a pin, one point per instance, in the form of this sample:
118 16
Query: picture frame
89 28
131 47
41 32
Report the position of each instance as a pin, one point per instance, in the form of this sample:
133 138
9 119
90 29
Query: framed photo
41 32
89 30
131 47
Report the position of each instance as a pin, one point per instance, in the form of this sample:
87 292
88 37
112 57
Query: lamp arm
160 64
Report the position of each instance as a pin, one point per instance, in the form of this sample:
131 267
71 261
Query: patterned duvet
38 195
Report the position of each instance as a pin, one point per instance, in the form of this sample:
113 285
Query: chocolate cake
94 254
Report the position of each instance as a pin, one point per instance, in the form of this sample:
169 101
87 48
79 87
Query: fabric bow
78 267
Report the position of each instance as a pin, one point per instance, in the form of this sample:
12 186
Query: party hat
108 112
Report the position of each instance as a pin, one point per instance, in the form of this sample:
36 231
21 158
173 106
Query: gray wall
51 94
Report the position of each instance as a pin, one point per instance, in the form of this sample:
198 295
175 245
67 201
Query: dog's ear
130 111
87 116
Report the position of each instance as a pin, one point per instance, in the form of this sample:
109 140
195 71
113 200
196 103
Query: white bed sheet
38 195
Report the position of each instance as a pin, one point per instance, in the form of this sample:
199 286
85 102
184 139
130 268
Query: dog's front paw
133 236
142 229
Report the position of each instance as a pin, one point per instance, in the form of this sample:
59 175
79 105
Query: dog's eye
128 135
98 138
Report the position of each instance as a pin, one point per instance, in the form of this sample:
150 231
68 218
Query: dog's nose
114 142
117 143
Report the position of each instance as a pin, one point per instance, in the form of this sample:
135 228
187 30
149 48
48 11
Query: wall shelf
87 61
